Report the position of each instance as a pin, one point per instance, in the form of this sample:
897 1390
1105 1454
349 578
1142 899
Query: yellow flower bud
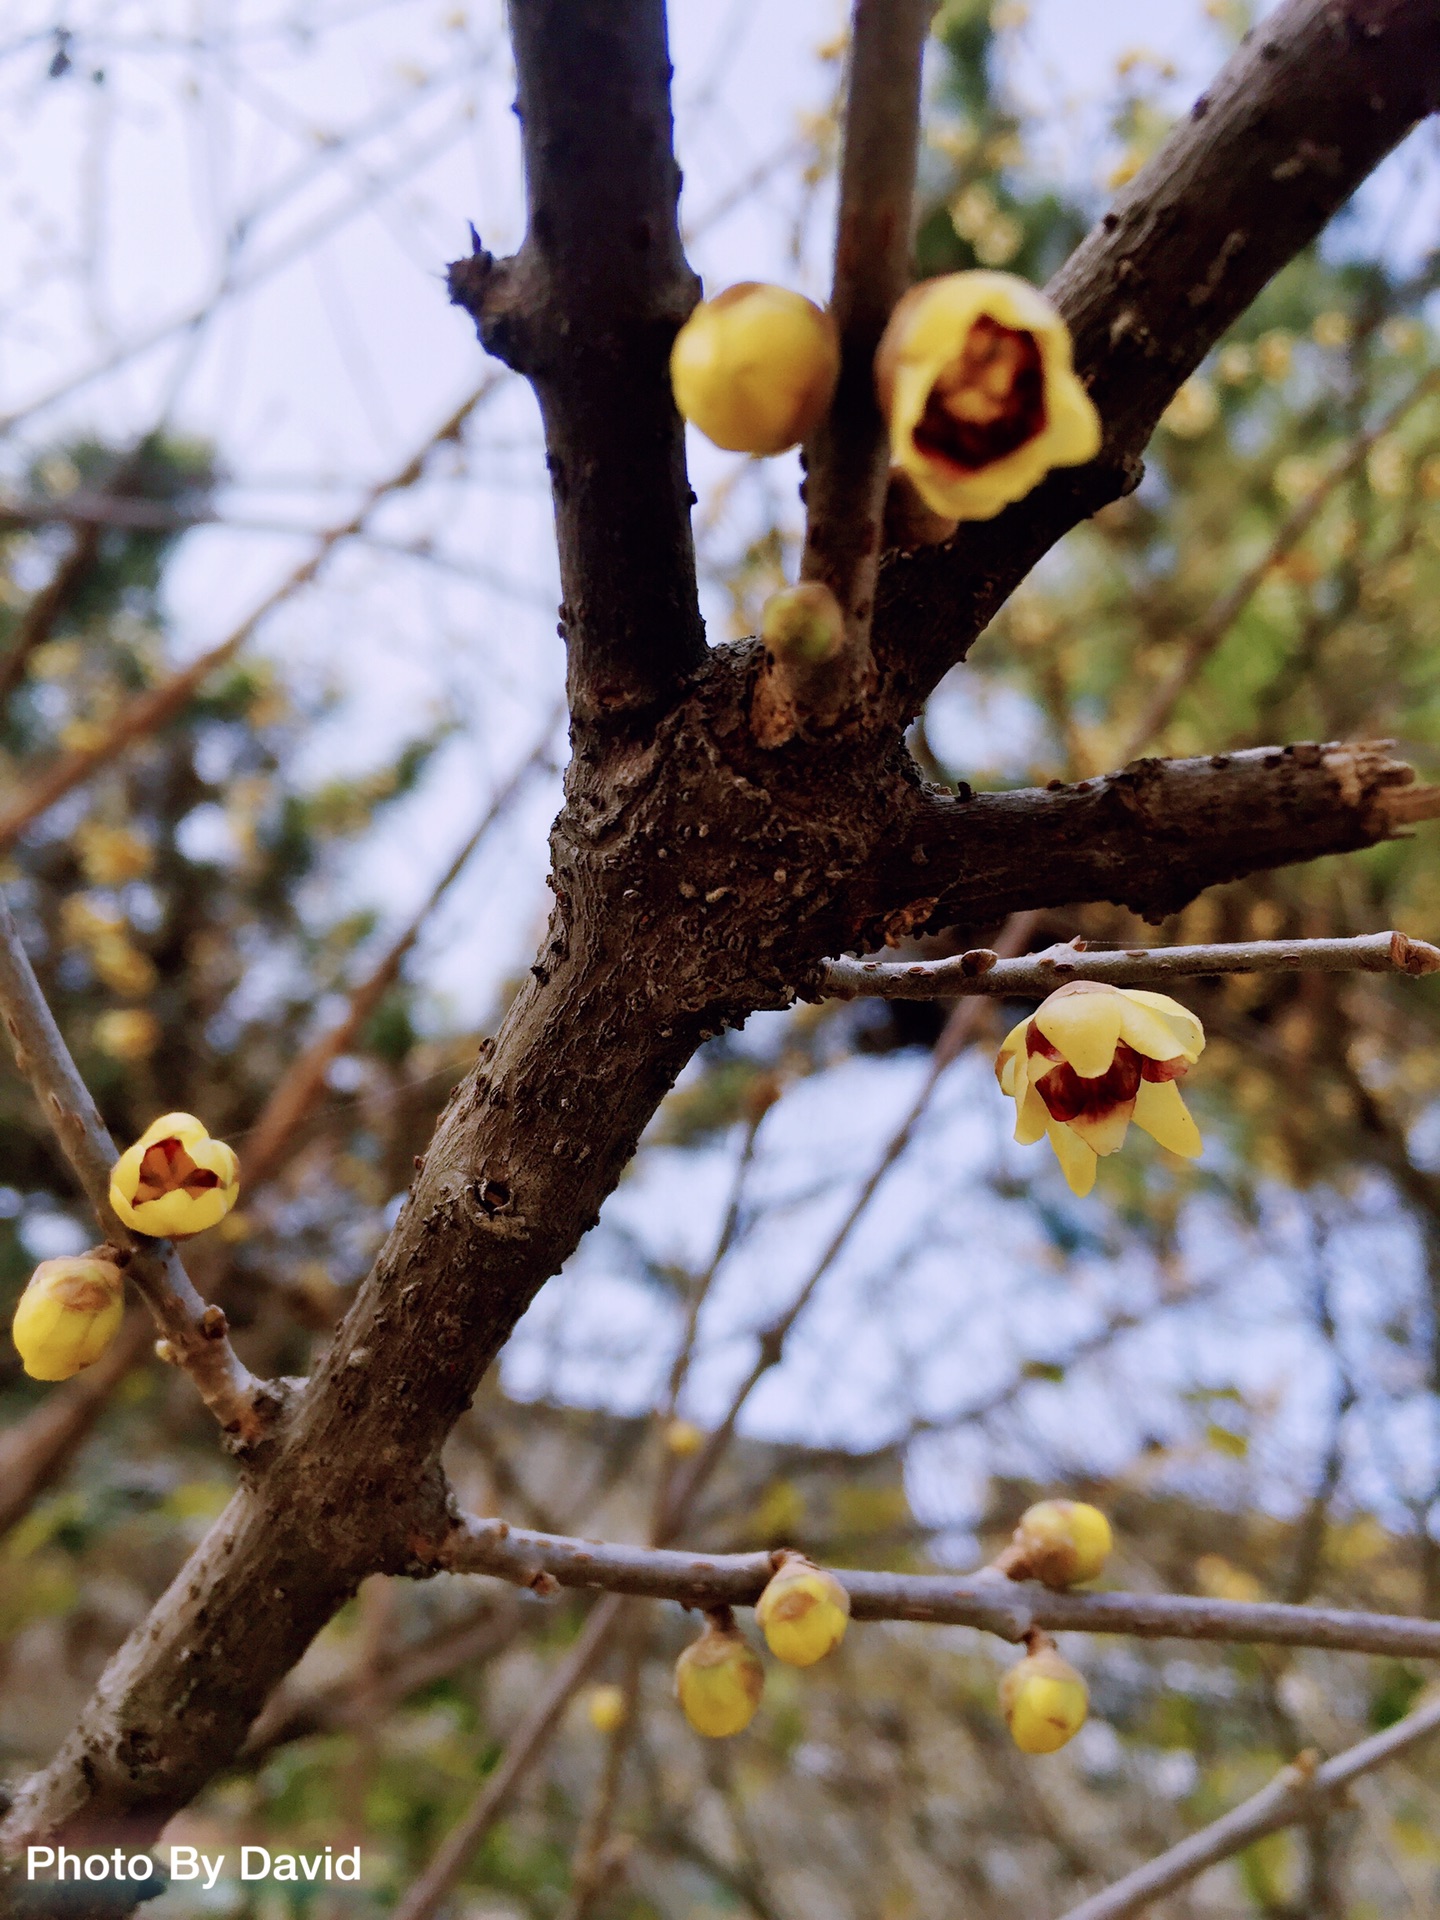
1093 1059
175 1181
605 1707
68 1315
754 368
977 386
803 624
719 1680
803 1612
1061 1542
1044 1701
682 1438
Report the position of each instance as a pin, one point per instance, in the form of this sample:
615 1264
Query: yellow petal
1148 1032
1032 1119
1104 1132
1085 1027
1181 1021
1162 1114
1077 1161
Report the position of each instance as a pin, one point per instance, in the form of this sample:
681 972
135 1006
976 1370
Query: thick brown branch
1316 96
985 1600
983 972
1149 837
587 311
1293 1795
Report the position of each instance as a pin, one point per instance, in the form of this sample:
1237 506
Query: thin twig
1213 626
847 456
1293 1795
955 1036
985 1600
150 711
430 1889
301 1085
197 1334
983 972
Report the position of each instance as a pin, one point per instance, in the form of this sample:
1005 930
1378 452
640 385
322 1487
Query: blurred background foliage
1281 1439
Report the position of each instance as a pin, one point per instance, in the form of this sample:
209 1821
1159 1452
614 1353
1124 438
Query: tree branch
847 459
1149 837
1297 1793
197 1334
543 1561
1312 101
587 310
982 972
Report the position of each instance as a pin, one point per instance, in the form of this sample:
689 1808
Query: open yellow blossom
1091 1060
754 368
175 1181
1044 1700
803 1612
719 1680
68 1315
977 385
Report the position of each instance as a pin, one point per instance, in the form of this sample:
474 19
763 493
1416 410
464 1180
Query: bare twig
155 709
983 972
1296 1794
301 1085
430 1889
846 459
1226 609
983 1600
197 1334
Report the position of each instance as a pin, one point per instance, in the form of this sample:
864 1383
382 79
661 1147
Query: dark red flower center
1068 1096
988 401
167 1168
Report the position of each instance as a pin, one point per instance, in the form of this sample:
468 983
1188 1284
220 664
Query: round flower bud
719 1680
976 381
682 1438
68 1315
1062 1541
605 1707
175 1181
1044 1701
803 624
803 1612
754 368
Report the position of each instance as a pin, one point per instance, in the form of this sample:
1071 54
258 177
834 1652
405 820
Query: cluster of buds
1059 1542
1091 1060
1044 1700
175 1181
803 1614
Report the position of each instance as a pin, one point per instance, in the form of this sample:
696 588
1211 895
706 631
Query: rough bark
696 876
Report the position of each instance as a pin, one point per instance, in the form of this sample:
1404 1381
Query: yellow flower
977 386
605 1707
682 1438
754 368
68 1315
111 855
127 1033
719 1680
1093 1059
803 1612
1061 1542
1193 411
175 1181
1044 1701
